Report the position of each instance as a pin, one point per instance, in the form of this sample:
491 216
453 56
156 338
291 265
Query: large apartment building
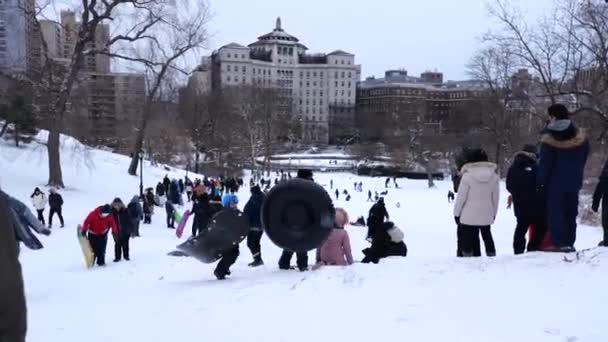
19 39
93 63
320 86
392 105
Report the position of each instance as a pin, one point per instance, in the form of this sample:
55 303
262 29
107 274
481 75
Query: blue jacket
229 199
563 156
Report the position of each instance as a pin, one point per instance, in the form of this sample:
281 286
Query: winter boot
256 262
116 260
603 244
567 249
219 275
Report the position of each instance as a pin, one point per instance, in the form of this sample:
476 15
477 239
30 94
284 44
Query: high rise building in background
94 63
321 86
19 40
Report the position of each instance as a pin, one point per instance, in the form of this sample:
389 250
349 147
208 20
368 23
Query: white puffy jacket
478 194
39 201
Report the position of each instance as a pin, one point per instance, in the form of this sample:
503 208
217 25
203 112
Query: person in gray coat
13 311
26 223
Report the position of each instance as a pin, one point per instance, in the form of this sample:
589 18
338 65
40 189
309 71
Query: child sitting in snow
336 248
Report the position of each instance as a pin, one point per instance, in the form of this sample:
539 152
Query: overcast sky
416 35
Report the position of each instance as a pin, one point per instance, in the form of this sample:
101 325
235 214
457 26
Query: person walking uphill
136 213
56 205
96 227
477 204
13 312
529 207
253 210
125 224
39 202
601 196
563 155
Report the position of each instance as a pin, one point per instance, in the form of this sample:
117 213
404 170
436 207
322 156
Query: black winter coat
124 221
55 201
521 183
383 246
160 189
600 196
201 211
135 211
253 210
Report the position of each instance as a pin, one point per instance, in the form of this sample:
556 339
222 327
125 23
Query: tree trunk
53 145
4 128
499 158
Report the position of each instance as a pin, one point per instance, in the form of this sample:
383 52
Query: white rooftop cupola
278 25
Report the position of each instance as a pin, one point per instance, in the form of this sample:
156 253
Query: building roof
234 46
278 35
340 52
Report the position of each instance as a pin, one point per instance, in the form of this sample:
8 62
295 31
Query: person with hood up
336 250
377 215
13 309
166 183
189 188
600 196
253 210
96 227
39 201
160 189
529 207
301 258
136 214
125 224
56 204
563 154
386 241
201 210
174 195
477 204
148 206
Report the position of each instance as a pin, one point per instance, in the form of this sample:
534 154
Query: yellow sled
85 246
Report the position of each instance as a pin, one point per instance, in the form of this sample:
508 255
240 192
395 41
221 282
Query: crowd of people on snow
544 182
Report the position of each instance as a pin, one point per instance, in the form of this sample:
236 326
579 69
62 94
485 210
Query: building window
321 74
229 55
343 74
229 68
336 84
301 84
314 84
342 92
343 84
236 79
307 84
321 102
228 79
342 62
349 84
308 74
243 56
244 69
350 74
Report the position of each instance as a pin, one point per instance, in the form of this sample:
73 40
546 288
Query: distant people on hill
477 204
39 202
451 196
189 188
336 250
170 211
337 194
386 182
56 205
387 240
149 203
600 196
563 155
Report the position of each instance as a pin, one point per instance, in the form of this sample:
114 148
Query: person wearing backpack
388 240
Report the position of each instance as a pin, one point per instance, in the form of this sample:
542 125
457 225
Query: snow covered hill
428 296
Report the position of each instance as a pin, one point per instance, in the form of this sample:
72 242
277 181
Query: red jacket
98 225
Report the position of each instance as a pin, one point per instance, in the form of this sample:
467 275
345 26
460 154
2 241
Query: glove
46 232
83 233
457 220
595 208
115 237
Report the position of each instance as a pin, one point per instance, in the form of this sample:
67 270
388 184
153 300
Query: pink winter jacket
336 249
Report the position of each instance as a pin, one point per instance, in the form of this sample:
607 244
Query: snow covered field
428 296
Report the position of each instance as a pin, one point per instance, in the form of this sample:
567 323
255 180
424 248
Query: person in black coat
383 245
148 206
181 186
136 213
528 205
123 220
166 183
377 215
160 189
56 204
253 210
601 196
201 210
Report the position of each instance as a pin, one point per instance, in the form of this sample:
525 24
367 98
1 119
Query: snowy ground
428 296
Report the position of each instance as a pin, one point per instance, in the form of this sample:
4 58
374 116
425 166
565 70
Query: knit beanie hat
106 209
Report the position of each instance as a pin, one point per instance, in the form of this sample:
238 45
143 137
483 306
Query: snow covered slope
428 296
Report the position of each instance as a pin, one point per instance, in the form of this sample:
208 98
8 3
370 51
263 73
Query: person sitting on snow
386 241
377 215
336 250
